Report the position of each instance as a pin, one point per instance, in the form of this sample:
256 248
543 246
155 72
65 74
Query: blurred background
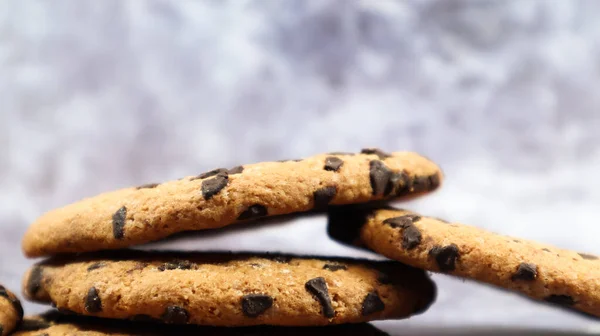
99 95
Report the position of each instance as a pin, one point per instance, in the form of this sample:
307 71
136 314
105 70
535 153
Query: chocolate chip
34 283
33 325
525 272
175 315
397 182
381 154
177 264
254 211
44 334
434 181
118 222
93 304
335 267
588 256
545 249
282 259
322 197
421 183
333 163
148 186
138 267
236 170
402 221
318 288
379 176
96 266
212 186
445 257
562 300
209 174
411 236
255 304
372 304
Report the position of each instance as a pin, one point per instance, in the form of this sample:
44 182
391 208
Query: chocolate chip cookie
542 272
222 197
56 324
11 311
230 289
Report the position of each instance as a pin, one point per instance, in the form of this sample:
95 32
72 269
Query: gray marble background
97 95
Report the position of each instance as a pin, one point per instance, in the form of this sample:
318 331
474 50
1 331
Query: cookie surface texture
222 197
231 289
541 272
11 311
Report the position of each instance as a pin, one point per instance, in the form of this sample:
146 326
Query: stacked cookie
97 283
91 272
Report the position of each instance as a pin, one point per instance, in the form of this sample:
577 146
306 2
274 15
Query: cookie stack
97 283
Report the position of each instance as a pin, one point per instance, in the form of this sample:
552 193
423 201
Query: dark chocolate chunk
212 186
445 257
379 176
421 183
397 183
33 325
545 249
118 222
209 174
236 170
254 211
381 154
322 197
176 264
333 163
255 304
372 304
282 259
175 315
434 181
148 186
411 237
402 221
562 300
335 267
96 266
318 288
34 283
93 304
526 272
588 256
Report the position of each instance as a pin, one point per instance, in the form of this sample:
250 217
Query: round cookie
542 272
230 289
56 324
11 311
226 196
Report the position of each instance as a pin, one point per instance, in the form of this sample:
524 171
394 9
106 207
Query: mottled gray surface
96 95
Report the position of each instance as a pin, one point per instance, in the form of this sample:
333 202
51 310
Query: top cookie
542 272
56 324
11 311
225 196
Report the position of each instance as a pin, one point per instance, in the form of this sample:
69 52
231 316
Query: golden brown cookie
56 324
542 272
230 289
11 311
226 196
